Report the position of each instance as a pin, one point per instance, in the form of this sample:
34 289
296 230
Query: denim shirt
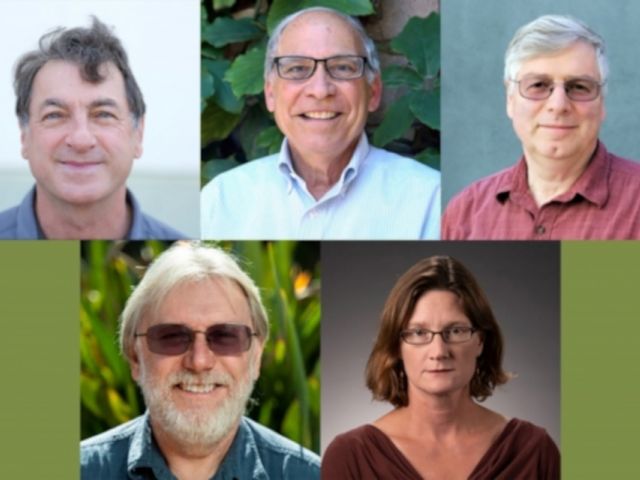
21 223
130 452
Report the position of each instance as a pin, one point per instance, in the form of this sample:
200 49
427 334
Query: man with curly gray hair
81 117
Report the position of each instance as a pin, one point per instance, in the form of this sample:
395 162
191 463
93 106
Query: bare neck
189 462
320 171
548 178
107 219
441 417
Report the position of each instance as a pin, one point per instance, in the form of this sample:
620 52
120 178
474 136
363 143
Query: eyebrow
452 323
100 102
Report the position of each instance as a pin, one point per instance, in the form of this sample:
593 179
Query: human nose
438 348
199 357
558 100
320 84
80 137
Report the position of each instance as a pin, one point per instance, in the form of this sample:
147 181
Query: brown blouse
522 451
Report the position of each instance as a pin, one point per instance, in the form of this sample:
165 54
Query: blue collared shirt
21 223
380 195
130 452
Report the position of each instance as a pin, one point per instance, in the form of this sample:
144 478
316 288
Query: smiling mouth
320 115
199 388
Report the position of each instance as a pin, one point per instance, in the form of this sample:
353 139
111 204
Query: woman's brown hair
385 371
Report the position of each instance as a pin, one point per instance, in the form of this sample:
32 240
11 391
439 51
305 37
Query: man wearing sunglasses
567 185
193 332
322 78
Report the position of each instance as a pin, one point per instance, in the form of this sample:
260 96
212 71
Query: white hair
182 263
372 68
549 34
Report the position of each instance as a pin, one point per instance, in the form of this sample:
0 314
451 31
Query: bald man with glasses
566 185
322 78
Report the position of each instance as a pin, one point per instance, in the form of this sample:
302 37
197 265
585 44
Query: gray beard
196 430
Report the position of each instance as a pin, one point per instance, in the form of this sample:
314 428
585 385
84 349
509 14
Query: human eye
581 87
536 85
346 67
52 116
295 67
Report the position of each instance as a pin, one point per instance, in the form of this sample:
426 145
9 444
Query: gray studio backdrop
522 281
477 137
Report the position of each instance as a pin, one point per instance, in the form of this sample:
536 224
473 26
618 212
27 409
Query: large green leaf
397 120
396 75
246 73
212 168
425 104
225 30
222 93
430 157
419 41
220 4
271 139
206 88
216 124
281 8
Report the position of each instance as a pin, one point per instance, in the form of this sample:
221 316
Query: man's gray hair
550 34
183 263
89 49
372 67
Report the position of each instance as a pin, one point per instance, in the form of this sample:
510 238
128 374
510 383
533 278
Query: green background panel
39 365
600 359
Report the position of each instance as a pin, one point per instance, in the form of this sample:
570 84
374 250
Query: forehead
203 303
576 60
319 34
438 307
62 80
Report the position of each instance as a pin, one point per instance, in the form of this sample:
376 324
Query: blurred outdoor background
235 124
287 395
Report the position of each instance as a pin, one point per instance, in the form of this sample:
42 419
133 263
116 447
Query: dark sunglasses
175 339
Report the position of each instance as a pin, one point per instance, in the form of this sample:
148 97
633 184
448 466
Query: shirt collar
144 453
285 165
29 226
241 461
592 184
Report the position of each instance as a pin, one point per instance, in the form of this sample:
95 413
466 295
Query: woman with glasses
438 354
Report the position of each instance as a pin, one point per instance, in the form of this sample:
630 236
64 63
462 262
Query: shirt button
540 229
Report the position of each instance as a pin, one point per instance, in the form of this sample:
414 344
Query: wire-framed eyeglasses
540 87
339 67
422 336
175 339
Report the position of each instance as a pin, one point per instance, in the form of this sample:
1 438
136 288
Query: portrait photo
500 124
200 357
521 284
160 39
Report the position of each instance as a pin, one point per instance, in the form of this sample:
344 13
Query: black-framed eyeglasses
422 336
581 89
339 67
176 339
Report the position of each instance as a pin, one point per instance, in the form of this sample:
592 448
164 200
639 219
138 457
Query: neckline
506 430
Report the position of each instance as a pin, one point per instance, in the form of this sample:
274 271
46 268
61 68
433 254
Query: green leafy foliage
246 74
281 8
235 124
287 394
418 83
